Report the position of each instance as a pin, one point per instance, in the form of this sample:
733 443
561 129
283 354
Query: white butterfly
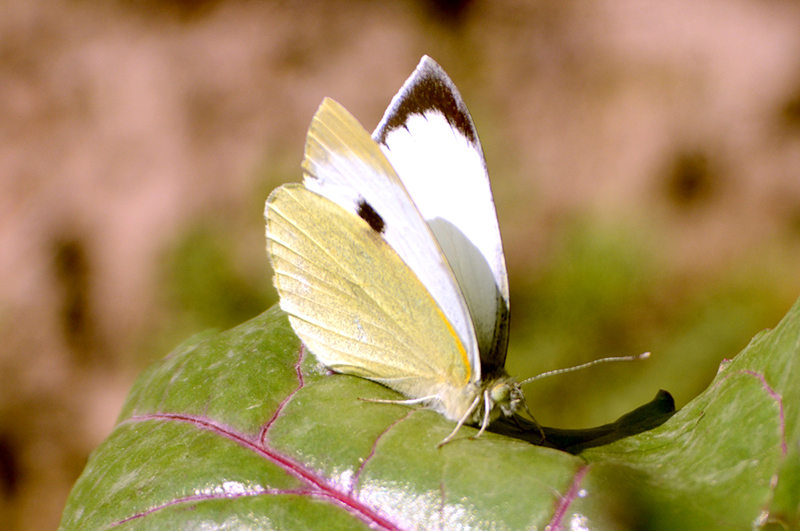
388 257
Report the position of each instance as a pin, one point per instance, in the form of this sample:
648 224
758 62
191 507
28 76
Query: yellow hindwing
353 301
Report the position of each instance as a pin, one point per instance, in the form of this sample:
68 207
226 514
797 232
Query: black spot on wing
368 214
429 89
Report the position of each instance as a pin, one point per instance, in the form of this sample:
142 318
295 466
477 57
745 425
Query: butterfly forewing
344 164
429 138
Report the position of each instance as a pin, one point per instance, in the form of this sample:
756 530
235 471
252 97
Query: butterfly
388 258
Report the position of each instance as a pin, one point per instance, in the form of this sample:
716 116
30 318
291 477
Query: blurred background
645 160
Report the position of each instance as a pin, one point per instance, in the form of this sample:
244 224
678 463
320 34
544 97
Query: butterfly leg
461 422
409 402
487 409
538 426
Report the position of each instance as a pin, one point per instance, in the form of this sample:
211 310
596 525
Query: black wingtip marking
368 214
428 89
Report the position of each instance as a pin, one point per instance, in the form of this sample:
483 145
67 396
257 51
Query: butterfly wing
429 138
354 302
344 164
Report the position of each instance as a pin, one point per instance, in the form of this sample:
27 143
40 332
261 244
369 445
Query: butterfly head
505 394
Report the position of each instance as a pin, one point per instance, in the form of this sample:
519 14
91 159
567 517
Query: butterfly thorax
454 402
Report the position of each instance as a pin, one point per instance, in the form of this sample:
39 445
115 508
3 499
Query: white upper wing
345 165
429 137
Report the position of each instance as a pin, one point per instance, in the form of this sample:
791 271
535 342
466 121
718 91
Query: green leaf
245 430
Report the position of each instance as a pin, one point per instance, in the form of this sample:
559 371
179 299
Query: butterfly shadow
641 419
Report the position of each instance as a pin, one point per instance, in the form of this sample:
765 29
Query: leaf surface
245 430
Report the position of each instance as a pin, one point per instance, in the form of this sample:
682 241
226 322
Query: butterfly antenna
642 356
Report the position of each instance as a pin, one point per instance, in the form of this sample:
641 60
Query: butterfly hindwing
352 299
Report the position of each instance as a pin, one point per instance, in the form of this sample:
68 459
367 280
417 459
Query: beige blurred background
645 158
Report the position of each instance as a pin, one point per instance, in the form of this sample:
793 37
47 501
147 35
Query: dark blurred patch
205 111
73 273
690 179
450 12
793 222
9 467
299 54
790 112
